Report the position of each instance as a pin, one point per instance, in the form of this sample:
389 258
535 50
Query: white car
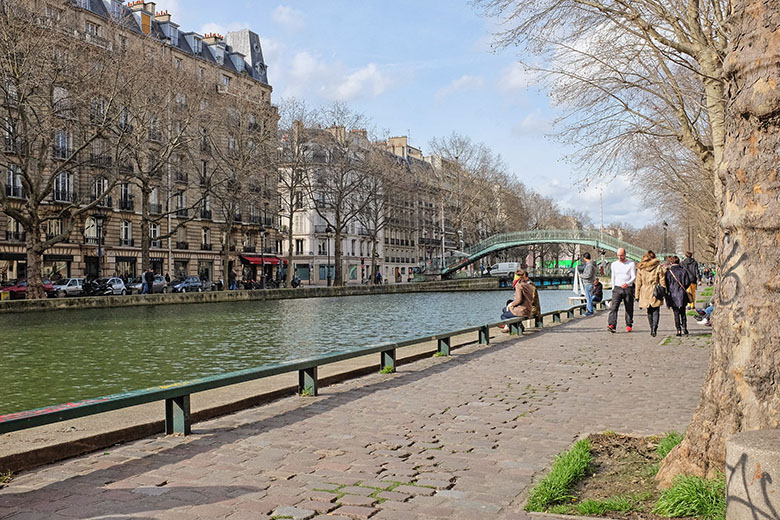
68 287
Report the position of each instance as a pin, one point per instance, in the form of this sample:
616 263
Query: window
53 228
13 186
205 236
181 200
93 29
53 13
201 72
63 144
181 99
124 191
63 187
298 246
353 247
127 232
226 80
99 188
154 230
176 63
322 247
61 103
122 43
181 234
90 228
154 130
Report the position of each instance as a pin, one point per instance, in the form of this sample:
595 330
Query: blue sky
421 68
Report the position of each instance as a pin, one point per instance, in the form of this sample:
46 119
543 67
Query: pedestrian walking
588 277
677 296
149 278
649 274
232 281
691 266
623 277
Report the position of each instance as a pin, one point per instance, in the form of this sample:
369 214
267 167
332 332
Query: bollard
516 328
539 322
570 314
753 475
484 335
556 317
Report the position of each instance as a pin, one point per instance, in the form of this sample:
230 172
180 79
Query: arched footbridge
503 241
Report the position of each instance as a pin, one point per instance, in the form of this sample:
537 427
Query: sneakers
703 321
629 329
505 328
589 313
611 328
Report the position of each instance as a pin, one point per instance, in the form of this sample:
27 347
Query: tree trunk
338 278
290 243
740 392
35 288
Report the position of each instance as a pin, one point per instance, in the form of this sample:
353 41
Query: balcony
364 232
126 167
126 205
16 192
65 196
237 217
105 202
183 212
205 214
127 242
50 236
94 241
205 247
99 160
15 236
61 152
14 147
156 244
250 249
180 177
155 209
182 245
322 228
255 219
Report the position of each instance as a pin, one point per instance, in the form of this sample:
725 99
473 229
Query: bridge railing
544 235
177 396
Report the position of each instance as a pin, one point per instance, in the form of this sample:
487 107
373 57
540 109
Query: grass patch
592 507
5 478
694 496
387 370
707 291
555 488
668 341
440 354
666 444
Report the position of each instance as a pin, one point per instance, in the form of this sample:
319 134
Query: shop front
254 266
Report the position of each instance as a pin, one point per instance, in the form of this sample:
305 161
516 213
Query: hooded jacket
648 274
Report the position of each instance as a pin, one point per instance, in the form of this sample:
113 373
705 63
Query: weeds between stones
618 481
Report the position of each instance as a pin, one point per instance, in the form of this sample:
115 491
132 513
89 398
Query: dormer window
226 80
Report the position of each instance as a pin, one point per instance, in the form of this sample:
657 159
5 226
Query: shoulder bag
686 296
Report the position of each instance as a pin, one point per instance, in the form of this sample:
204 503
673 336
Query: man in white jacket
623 277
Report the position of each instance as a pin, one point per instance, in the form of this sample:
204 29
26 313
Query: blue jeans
144 288
588 297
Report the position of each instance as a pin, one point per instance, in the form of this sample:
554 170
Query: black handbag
659 291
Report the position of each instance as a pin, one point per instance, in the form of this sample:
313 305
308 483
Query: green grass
555 488
5 478
592 507
671 440
387 370
439 354
694 496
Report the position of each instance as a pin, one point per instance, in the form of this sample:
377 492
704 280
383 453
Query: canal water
61 356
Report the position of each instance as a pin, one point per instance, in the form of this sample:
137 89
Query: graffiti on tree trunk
730 283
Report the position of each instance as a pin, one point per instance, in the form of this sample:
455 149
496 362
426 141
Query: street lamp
100 218
263 234
328 231
665 226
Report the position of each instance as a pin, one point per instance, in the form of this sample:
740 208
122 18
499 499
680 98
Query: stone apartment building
107 240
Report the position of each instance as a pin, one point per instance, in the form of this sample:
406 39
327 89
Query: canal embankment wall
49 304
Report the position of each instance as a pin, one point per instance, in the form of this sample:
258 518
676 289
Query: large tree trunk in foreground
740 392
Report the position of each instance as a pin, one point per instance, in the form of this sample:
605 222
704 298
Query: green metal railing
177 395
502 241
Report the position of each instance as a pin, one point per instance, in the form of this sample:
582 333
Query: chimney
149 7
137 5
163 16
213 38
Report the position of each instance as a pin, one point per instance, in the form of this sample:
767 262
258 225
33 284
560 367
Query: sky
419 68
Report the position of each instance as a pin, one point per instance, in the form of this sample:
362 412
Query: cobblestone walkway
456 438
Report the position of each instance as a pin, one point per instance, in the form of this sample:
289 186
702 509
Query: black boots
685 330
679 332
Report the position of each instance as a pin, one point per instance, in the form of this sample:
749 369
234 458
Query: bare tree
59 96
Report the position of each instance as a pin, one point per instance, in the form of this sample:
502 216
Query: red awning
259 260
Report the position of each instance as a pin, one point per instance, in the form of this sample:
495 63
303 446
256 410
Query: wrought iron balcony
182 245
92 241
15 236
250 249
61 152
64 196
155 209
105 202
206 214
127 242
205 247
183 212
156 243
14 191
126 204
255 219
180 176
100 160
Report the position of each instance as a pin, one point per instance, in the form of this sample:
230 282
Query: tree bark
740 391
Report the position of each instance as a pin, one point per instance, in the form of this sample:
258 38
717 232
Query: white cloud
366 82
534 123
461 84
288 17
517 77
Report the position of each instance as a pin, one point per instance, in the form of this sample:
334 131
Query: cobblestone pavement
455 438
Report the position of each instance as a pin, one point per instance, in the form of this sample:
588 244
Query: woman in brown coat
650 272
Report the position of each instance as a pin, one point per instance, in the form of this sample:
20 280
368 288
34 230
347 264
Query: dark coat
149 277
598 292
692 267
676 296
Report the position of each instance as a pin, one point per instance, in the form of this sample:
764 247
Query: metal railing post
556 317
444 346
484 335
539 322
387 361
177 415
516 328
307 381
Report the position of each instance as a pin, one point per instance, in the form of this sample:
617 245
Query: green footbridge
502 241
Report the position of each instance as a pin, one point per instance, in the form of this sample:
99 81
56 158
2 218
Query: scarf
516 279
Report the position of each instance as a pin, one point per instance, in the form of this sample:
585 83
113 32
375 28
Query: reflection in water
70 355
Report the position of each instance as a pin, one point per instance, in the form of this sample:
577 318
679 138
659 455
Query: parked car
68 287
18 290
135 285
109 286
189 284
503 269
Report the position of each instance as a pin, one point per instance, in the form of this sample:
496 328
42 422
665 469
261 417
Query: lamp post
100 218
328 231
666 250
262 257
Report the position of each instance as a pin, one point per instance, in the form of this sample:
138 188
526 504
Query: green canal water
61 356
